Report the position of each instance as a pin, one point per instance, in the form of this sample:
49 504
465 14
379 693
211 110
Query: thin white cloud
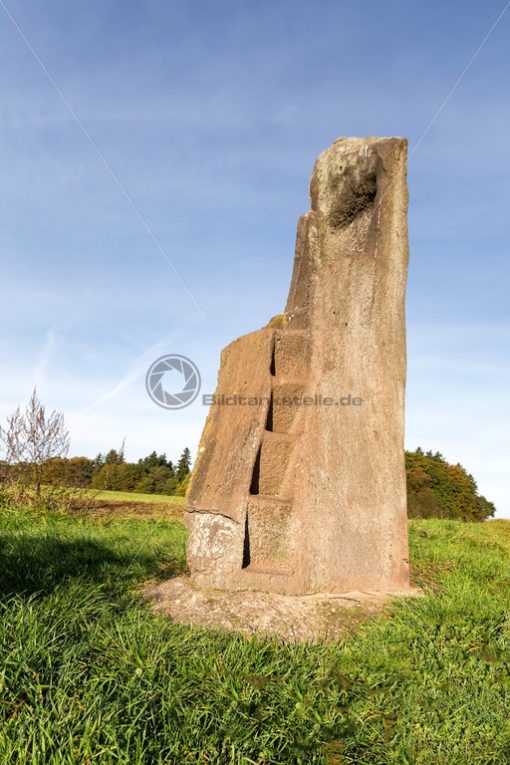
45 358
137 368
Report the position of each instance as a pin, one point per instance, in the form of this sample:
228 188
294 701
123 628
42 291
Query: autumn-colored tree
435 488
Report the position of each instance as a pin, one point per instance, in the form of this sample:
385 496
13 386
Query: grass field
124 503
90 675
131 496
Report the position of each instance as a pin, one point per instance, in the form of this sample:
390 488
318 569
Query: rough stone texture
308 618
299 499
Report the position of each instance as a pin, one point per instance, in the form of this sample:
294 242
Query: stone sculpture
299 484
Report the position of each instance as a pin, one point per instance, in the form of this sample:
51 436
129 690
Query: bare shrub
29 440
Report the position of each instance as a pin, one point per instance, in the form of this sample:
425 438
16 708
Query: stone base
307 618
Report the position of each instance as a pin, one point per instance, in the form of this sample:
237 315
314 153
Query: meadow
128 496
90 674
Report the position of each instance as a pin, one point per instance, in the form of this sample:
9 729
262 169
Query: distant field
131 496
128 503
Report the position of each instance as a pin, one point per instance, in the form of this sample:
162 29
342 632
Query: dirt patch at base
294 619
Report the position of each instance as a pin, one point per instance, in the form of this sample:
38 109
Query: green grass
89 674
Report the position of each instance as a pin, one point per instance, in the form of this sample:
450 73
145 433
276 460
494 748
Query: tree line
35 446
33 455
435 488
154 474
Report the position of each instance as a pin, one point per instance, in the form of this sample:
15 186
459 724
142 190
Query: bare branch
30 439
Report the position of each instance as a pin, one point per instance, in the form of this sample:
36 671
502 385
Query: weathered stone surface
270 541
295 495
233 433
215 538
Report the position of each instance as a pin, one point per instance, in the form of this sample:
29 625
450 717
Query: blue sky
211 115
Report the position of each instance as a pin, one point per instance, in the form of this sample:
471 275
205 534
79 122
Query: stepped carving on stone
293 497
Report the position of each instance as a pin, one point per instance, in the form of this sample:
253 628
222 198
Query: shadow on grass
34 564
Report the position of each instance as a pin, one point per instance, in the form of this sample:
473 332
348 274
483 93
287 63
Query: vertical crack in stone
246 544
255 476
269 419
272 369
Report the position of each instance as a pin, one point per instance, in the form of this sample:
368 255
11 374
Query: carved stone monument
299 485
